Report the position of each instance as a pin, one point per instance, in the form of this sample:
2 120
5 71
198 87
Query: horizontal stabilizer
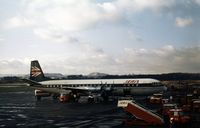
31 82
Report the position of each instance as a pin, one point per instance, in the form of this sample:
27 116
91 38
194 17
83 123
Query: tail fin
36 72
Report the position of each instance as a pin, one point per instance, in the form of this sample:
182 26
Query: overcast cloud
115 37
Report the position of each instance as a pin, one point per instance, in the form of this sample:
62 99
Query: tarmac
20 109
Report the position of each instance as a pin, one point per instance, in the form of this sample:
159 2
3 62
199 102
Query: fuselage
112 86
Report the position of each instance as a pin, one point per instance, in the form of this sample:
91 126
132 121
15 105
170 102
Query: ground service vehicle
167 107
139 115
177 116
156 98
196 105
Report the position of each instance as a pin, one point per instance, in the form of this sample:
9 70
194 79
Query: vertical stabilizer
36 72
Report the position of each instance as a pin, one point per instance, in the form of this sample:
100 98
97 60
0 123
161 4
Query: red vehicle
196 105
64 97
167 107
177 116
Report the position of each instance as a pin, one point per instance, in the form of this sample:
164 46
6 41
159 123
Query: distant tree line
169 76
10 79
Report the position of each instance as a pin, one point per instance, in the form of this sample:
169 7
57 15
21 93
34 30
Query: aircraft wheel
91 100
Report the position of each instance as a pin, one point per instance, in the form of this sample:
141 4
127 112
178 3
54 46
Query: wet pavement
20 109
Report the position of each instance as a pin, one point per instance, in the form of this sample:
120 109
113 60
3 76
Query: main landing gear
90 99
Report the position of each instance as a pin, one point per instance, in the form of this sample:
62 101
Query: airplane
67 90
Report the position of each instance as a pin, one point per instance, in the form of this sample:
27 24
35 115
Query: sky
107 36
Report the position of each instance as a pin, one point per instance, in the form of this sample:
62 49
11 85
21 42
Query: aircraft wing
82 89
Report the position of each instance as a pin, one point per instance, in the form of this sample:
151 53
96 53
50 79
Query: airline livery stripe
35 71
